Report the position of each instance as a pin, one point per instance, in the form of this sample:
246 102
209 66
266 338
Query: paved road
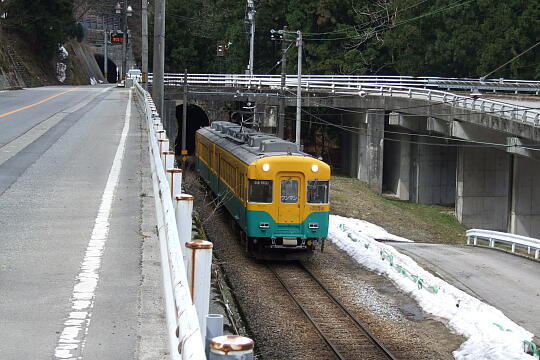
74 229
507 282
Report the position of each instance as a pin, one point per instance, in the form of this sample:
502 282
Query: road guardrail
494 237
183 329
186 263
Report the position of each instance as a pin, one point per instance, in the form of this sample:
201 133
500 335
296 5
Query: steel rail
325 336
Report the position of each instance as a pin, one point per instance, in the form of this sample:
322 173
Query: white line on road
73 336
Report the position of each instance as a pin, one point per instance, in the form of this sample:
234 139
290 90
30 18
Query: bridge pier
397 165
483 183
364 160
417 168
525 212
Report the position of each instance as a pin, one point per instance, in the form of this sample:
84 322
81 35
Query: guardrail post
214 328
475 240
513 247
160 134
163 145
175 182
468 240
491 242
231 347
168 159
536 253
183 214
199 264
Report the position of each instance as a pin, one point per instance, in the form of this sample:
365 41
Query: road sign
117 37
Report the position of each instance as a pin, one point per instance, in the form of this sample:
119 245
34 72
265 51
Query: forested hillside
462 38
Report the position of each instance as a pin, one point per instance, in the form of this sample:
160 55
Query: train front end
287 205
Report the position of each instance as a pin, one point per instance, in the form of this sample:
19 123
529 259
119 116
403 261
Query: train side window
317 192
260 191
289 191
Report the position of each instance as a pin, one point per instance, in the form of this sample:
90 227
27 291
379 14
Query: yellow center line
35 104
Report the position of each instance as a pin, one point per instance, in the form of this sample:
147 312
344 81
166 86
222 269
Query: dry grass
422 223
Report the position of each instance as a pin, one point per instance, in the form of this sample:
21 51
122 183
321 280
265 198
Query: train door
289 199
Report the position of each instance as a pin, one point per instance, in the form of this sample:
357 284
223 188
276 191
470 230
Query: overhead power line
509 61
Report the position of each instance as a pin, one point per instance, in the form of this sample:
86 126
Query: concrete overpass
405 136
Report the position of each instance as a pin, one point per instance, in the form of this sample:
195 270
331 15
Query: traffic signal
220 50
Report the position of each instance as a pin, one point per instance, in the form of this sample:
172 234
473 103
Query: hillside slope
21 67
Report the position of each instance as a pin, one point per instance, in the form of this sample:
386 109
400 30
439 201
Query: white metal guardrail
185 339
405 87
506 85
185 263
494 237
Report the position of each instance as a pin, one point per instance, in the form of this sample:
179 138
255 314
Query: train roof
247 144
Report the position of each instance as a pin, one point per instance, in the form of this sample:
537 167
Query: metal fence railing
183 330
475 236
186 263
402 86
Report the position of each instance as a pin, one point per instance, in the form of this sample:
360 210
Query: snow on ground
490 334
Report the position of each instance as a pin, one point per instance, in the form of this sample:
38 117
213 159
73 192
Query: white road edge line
73 336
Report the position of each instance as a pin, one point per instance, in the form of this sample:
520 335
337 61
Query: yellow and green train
278 195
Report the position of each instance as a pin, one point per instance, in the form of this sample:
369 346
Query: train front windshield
260 191
317 192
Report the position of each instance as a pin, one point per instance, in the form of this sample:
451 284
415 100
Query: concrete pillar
525 212
404 181
433 172
362 150
349 143
375 147
483 187
397 164
169 120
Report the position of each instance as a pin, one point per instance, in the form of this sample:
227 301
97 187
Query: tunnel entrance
111 67
196 119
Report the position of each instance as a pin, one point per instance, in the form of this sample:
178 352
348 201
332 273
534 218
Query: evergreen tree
461 38
43 24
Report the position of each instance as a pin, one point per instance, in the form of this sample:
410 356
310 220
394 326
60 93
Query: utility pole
184 117
144 16
124 42
159 55
251 18
299 90
105 60
281 124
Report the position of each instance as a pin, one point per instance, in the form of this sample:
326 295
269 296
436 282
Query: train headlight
314 167
266 167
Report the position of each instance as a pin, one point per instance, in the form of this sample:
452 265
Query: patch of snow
61 71
62 53
490 334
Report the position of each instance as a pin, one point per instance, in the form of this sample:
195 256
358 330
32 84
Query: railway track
345 335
